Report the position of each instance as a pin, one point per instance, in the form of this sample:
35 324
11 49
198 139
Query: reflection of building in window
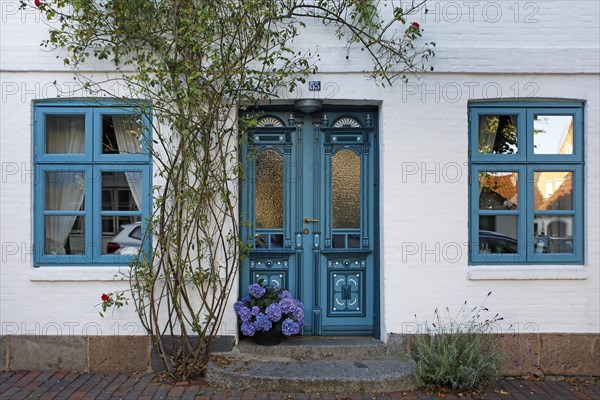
557 187
499 190
566 141
549 189
553 134
553 233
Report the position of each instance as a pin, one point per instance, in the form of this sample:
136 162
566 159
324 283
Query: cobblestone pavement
34 385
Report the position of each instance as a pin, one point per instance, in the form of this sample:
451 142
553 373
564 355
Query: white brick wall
423 125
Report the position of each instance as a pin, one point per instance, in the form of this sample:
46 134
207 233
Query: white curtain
127 131
65 190
65 134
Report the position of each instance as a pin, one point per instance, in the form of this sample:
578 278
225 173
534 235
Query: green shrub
457 351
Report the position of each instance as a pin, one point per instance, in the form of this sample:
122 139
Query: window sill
79 274
527 272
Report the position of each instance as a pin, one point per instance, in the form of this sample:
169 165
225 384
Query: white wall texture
485 49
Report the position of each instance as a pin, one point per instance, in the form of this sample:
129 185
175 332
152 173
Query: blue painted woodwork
92 163
338 286
526 163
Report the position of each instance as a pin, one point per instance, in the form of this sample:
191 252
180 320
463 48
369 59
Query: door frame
374 151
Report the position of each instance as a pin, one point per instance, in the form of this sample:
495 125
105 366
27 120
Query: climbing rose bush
268 307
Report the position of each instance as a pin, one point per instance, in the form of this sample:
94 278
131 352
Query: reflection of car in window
127 241
493 242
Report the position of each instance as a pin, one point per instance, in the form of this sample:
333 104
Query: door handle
307 220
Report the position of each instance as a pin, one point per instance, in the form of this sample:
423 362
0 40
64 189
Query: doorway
309 214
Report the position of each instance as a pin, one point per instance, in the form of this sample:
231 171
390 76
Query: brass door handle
307 220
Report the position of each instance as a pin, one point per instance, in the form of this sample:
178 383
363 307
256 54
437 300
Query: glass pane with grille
65 134
64 190
498 234
553 190
498 190
121 134
553 233
64 235
553 134
121 191
498 134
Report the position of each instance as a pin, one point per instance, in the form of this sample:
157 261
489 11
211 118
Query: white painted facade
485 49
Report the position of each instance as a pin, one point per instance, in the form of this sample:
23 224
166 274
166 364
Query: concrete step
264 374
319 348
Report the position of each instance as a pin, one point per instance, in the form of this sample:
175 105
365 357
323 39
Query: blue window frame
526 182
92 186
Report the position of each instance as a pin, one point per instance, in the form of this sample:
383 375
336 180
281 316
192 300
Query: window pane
553 234
121 134
553 190
269 189
65 134
553 134
338 241
64 235
498 134
353 241
345 189
126 241
498 234
276 241
65 190
261 241
121 191
498 190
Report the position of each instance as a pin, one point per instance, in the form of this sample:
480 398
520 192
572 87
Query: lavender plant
458 350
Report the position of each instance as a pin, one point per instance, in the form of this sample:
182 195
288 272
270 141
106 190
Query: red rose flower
37 3
105 297
416 25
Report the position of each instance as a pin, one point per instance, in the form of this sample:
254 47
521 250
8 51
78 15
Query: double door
309 215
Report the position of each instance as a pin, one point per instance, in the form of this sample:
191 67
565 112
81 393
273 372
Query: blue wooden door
309 215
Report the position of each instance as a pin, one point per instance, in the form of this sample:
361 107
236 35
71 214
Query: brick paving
36 385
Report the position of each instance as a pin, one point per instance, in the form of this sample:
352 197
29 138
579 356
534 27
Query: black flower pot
269 338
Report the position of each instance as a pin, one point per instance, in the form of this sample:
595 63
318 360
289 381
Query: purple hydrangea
256 290
285 295
245 314
263 323
273 312
248 329
288 305
237 306
277 309
298 314
290 327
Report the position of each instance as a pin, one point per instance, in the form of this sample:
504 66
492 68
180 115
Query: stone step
319 348
263 374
